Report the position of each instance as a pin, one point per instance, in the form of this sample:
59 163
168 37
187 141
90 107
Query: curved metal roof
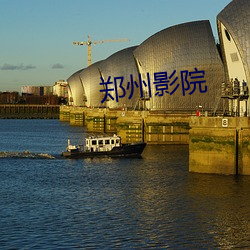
90 78
76 89
121 64
183 47
236 18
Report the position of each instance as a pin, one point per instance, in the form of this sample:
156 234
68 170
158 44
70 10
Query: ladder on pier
216 104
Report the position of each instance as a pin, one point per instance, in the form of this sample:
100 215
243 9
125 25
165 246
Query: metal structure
233 24
121 64
76 92
182 47
89 43
178 48
87 81
90 79
238 93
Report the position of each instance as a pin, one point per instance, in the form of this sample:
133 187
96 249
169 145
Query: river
48 202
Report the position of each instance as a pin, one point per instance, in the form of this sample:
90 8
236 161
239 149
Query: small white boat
103 146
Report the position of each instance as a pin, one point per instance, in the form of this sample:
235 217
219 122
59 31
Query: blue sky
36 35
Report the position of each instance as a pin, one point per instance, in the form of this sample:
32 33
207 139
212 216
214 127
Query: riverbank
25 111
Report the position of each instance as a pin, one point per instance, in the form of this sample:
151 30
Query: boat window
117 141
107 142
112 141
93 142
100 142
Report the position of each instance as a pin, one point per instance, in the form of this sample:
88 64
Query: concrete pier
64 114
132 126
219 145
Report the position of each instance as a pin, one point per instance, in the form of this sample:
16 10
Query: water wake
26 154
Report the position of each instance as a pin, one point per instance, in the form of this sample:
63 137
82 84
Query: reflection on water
224 201
107 203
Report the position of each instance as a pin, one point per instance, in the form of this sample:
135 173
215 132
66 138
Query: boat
102 146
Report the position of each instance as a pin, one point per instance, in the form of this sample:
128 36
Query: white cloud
57 66
21 66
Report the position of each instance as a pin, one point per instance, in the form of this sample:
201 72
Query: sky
36 35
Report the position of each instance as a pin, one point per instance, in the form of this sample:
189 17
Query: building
9 97
76 93
185 47
89 81
60 89
178 69
38 95
181 48
120 67
37 90
234 33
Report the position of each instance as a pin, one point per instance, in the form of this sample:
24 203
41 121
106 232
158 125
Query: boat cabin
104 143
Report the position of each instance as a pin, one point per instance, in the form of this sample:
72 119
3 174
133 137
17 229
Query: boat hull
126 150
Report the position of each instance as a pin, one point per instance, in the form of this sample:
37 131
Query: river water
47 202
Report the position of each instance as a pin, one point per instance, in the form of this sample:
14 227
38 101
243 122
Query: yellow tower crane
89 43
